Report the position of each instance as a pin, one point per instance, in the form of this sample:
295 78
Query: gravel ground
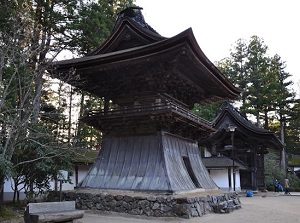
264 208
18 219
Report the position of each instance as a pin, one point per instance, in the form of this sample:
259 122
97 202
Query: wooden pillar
254 171
76 174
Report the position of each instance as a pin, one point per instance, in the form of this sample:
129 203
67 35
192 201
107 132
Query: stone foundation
183 205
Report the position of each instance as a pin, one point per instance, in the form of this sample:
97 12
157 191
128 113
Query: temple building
235 152
149 84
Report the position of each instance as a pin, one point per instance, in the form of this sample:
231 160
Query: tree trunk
37 97
15 190
70 116
14 197
266 118
79 125
283 152
2 177
18 196
1 198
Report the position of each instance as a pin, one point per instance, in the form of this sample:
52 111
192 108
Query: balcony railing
153 108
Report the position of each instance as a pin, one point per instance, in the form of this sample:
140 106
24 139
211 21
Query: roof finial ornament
130 11
134 13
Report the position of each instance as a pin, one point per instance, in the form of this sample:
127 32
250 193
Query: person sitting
280 188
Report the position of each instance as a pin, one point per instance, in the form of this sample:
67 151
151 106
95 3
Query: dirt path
258 209
271 208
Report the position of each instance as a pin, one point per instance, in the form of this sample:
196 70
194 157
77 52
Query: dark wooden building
246 144
149 84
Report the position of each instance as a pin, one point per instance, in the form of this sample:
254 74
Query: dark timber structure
149 84
251 143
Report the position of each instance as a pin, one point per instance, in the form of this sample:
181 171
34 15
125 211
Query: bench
52 212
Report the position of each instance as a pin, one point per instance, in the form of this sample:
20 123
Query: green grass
7 213
10 211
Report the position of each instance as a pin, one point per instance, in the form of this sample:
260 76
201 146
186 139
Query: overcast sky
218 24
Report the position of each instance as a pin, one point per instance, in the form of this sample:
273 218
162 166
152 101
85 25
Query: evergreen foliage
94 23
267 94
36 113
208 112
34 123
273 171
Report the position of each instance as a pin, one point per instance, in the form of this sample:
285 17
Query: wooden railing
153 108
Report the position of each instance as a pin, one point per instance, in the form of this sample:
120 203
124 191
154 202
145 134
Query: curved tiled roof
135 52
130 27
221 162
229 116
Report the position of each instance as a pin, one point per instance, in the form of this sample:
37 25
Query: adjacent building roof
294 161
84 156
221 162
245 132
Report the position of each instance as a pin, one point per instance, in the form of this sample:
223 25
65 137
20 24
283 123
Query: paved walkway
264 207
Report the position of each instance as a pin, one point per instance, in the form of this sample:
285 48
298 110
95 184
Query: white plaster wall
237 180
8 191
206 153
220 177
67 186
82 171
7 186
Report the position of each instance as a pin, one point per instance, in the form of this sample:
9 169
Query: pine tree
267 95
33 33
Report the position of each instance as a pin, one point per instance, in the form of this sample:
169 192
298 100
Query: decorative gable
130 31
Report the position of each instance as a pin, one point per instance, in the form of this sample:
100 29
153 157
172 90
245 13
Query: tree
37 164
267 95
93 25
94 22
15 92
88 136
293 130
29 32
208 112
32 33
262 78
234 67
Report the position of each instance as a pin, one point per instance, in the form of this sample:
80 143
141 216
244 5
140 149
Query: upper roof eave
158 47
120 27
188 33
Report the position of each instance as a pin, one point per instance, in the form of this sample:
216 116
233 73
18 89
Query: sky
218 24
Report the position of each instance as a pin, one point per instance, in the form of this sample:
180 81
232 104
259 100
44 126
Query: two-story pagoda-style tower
149 84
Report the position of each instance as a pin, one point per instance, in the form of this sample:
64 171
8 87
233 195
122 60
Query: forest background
39 115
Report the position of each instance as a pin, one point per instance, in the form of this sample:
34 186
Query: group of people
279 188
